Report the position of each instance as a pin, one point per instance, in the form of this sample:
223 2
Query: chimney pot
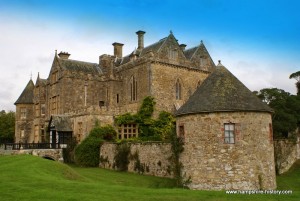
140 39
118 49
182 46
64 55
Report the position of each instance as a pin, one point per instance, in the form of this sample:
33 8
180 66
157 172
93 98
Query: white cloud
28 45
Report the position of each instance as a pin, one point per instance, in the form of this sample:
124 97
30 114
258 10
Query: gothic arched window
178 90
133 89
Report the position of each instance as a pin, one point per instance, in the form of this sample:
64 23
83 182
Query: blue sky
256 40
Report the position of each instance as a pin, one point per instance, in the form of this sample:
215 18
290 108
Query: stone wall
286 153
211 164
163 85
54 154
152 156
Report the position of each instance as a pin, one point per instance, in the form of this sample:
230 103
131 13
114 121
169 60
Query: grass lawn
26 177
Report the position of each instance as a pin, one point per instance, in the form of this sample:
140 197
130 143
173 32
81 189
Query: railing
18 146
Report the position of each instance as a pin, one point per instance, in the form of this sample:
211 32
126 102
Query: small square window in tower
229 133
126 131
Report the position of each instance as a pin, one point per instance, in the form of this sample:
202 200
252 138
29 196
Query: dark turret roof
26 96
221 92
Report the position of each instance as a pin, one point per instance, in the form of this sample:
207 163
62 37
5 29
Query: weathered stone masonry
153 156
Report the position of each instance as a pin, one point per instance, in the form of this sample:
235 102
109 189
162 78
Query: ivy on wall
149 129
160 129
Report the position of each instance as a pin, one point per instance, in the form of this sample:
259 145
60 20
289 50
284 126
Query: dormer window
203 61
173 54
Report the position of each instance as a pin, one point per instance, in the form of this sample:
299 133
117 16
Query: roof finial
201 41
171 32
31 75
56 53
219 61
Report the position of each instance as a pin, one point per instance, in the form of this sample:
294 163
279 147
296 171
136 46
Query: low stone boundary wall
286 153
149 158
55 154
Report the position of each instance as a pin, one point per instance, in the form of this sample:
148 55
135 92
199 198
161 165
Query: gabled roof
154 47
26 96
74 65
60 123
40 81
222 92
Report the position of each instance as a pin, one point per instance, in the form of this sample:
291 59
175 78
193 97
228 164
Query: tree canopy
296 76
7 126
286 117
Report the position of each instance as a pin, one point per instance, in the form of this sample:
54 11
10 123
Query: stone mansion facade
227 131
80 92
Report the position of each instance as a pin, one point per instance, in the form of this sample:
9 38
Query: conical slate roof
221 92
26 96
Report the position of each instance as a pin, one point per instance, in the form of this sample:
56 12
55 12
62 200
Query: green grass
26 177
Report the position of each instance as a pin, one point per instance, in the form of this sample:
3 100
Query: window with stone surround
54 105
229 133
203 61
23 112
133 88
173 54
126 131
36 133
22 133
178 90
43 109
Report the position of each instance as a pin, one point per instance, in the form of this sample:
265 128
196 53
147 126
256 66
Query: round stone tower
227 133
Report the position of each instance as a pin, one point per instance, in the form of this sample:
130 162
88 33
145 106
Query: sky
258 41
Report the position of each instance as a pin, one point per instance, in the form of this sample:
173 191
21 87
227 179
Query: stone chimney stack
118 49
140 39
64 55
182 46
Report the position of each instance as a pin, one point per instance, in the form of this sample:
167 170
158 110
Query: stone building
84 92
227 132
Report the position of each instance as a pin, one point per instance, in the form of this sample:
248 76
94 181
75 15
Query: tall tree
286 117
7 126
296 76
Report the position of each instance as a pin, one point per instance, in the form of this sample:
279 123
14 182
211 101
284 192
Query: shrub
68 153
88 151
122 156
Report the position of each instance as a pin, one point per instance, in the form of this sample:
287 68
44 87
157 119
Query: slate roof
189 52
74 65
61 123
154 47
221 92
26 96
